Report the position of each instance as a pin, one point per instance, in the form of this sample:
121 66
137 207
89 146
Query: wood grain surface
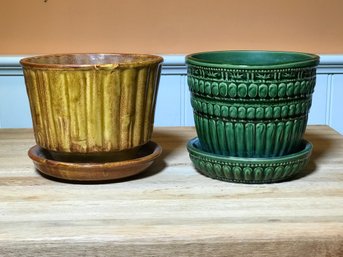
172 210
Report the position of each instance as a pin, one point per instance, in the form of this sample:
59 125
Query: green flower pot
251 103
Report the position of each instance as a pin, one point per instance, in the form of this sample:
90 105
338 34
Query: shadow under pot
251 103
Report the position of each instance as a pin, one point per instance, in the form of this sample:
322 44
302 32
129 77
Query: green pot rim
300 59
304 152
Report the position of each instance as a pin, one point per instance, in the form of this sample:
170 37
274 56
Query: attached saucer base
249 170
94 171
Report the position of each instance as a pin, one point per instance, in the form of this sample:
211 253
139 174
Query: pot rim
301 59
142 61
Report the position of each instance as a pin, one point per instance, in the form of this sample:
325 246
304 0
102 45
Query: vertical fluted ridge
92 110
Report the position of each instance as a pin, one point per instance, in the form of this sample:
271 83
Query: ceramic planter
92 104
251 103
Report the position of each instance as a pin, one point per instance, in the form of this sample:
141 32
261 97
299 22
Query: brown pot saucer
92 171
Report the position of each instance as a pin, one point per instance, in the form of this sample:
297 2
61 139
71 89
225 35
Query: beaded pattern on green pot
250 112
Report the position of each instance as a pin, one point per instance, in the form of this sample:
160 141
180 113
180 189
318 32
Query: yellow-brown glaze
86 103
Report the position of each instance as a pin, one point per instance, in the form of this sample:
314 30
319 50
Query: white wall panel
169 101
335 119
189 119
319 101
14 105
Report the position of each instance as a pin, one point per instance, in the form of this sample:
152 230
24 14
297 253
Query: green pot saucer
249 170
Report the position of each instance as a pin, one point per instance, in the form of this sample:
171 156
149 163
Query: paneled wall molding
10 66
173 102
173 64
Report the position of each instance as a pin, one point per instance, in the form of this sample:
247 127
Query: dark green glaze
249 170
249 139
251 103
253 59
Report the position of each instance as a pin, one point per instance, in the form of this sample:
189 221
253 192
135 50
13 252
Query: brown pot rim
143 61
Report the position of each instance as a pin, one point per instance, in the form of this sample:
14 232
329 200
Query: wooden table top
172 210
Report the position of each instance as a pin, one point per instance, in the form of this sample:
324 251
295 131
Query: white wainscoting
173 105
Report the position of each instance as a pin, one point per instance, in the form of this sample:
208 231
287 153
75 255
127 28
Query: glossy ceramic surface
72 171
249 170
91 103
251 103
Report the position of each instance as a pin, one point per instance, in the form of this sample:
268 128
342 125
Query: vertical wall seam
1 108
328 112
182 101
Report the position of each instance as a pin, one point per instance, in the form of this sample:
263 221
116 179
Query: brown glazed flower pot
97 107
